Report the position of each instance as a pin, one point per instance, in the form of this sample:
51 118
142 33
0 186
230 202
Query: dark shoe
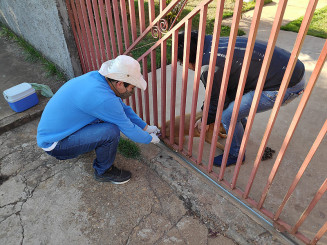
230 161
113 175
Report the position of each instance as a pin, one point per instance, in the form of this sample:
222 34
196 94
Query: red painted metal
134 36
163 78
287 77
118 27
88 34
99 31
163 87
144 63
132 19
313 203
154 87
124 22
306 162
174 45
202 7
212 62
178 14
156 20
319 234
224 83
105 30
296 118
97 58
111 29
78 11
153 69
146 92
126 41
76 32
244 72
141 17
198 63
187 37
257 94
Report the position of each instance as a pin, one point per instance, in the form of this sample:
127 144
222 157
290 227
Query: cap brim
143 84
137 82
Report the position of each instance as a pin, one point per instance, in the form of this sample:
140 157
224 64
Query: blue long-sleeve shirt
81 101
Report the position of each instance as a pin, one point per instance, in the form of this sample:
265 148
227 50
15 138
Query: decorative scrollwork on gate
163 24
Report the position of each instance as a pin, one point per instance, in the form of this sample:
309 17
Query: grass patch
31 54
228 12
128 148
318 25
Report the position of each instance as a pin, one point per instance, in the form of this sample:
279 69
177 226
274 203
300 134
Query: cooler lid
18 92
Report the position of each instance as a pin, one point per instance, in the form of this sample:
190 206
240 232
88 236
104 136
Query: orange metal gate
103 29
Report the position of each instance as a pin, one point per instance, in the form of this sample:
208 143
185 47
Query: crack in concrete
29 194
12 203
138 223
21 224
11 152
6 217
172 226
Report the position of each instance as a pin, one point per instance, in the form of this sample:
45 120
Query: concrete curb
18 119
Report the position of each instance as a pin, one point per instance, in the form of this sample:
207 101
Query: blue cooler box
21 97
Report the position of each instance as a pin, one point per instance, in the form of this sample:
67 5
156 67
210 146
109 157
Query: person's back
276 70
70 108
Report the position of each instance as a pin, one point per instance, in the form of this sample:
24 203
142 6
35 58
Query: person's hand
152 129
198 125
155 138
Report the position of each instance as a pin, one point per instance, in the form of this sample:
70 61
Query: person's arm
134 117
112 111
214 99
138 121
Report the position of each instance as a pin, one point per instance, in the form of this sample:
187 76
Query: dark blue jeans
266 102
100 136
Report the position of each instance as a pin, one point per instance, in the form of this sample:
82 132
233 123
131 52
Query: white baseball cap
124 68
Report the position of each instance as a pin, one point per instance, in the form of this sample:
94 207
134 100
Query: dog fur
208 135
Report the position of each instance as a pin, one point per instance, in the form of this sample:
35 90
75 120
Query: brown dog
208 135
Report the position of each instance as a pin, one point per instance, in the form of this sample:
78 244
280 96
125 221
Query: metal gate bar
240 89
287 77
198 62
76 33
296 118
102 58
188 28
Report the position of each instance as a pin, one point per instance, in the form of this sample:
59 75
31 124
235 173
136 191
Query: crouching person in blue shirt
268 97
87 113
